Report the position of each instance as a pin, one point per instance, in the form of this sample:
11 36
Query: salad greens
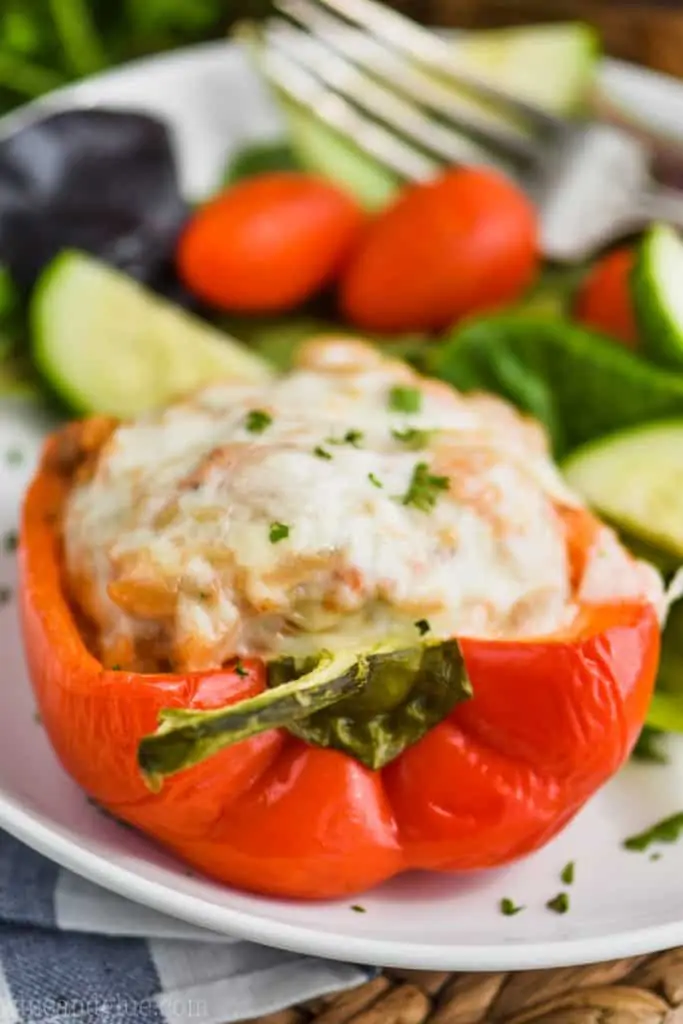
47 43
372 705
579 384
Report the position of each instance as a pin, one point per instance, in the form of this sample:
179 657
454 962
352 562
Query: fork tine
426 47
404 77
306 90
404 117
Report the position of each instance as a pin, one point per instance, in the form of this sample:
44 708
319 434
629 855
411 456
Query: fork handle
662 204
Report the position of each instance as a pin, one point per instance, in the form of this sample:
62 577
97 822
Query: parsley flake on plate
559 904
374 481
567 873
509 908
14 457
10 542
669 830
321 453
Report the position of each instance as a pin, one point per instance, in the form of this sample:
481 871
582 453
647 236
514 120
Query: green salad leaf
579 384
260 158
666 710
407 692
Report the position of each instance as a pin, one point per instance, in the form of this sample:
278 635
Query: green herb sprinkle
278 532
257 421
404 399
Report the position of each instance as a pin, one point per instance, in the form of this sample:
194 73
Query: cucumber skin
661 339
642 538
71 400
68 399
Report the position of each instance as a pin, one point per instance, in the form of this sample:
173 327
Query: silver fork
394 89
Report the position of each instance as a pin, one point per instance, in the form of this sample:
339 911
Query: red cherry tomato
604 301
268 243
463 243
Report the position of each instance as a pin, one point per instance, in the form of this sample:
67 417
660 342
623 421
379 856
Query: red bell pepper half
549 721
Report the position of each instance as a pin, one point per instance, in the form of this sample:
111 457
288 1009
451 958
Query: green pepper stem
185 737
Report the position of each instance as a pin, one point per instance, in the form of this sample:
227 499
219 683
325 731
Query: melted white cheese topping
198 538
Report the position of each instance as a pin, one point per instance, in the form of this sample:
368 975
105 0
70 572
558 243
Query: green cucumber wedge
322 150
551 66
657 284
635 480
105 344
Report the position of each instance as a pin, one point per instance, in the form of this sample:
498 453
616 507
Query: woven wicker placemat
639 990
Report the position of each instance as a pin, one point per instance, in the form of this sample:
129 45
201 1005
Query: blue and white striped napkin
72 953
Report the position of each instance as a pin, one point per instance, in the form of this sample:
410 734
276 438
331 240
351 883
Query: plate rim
511 956
28 826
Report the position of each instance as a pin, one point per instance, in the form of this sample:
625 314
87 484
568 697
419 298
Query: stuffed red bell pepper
313 633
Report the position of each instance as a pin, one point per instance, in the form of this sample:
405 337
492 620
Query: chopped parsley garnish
278 532
666 831
374 481
403 399
352 437
655 856
509 908
240 670
358 909
567 873
37 718
10 541
5 595
422 626
412 438
257 421
115 668
321 452
648 747
559 904
424 488
14 457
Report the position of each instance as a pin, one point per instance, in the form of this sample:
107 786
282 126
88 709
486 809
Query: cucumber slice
107 345
657 295
635 480
551 66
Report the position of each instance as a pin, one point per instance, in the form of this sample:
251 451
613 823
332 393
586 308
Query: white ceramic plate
621 903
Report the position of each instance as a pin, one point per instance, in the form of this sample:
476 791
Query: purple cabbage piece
104 181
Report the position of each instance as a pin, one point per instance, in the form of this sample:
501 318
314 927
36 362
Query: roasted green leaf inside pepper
371 705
